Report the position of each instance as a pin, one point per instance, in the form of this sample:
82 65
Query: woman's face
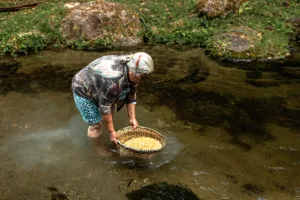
134 78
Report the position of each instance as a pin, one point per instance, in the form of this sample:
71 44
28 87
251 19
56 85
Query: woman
105 82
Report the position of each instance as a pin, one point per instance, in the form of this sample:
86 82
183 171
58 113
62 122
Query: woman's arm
131 115
106 101
108 120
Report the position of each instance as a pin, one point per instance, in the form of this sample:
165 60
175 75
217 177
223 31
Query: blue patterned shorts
88 110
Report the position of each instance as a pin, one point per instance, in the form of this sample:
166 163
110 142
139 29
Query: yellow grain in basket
143 143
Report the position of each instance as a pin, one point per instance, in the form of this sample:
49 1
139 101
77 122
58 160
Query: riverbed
229 135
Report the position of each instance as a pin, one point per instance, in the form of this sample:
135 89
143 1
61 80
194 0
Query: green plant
32 29
167 21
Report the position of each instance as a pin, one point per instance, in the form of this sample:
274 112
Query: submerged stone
291 72
8 68
252 189
162 191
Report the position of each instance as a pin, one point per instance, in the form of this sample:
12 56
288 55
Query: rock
291 72
8 68
252 189
239 41
101 23
295 22
286 3
217 7
265 79
162 191
254 74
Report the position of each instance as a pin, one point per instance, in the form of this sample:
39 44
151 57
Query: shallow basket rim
163 143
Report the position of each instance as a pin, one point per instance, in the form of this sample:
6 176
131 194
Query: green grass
31 30
160 17
259 15
159 21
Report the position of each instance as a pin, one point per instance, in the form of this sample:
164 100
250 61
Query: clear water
229 140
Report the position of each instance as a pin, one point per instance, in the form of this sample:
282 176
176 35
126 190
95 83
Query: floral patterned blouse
105 82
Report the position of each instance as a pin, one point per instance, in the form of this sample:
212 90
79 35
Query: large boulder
217 7
101 23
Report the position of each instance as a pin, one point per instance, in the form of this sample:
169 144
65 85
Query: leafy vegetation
167 21
31 29
268 17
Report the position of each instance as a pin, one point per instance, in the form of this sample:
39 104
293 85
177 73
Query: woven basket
128 133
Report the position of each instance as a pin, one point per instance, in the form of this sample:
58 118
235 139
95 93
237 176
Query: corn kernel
143 143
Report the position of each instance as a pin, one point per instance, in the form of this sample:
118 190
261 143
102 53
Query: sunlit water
43 141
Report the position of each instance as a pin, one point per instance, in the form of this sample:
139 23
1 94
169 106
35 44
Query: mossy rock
217 7
101 24
238 42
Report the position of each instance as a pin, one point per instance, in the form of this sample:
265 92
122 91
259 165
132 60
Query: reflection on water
228 137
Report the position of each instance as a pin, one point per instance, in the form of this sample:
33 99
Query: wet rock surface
158 191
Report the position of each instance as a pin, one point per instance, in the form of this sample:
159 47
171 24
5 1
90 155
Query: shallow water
226 138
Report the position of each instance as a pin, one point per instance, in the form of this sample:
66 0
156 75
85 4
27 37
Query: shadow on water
241 115
45 78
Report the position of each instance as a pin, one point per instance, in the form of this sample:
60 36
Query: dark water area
232 132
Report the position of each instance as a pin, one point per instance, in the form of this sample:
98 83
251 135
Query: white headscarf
140 63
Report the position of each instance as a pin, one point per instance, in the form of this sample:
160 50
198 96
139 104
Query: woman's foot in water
101 149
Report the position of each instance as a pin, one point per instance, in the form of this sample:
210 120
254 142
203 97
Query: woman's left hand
133 123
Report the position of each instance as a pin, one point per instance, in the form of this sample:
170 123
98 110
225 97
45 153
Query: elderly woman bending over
106 82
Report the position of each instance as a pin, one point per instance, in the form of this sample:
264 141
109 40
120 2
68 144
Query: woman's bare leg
94 132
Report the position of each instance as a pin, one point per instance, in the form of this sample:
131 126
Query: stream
231 133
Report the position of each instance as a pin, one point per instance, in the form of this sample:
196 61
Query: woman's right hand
114 138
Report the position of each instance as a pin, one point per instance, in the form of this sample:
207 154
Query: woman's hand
114 138
133 123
